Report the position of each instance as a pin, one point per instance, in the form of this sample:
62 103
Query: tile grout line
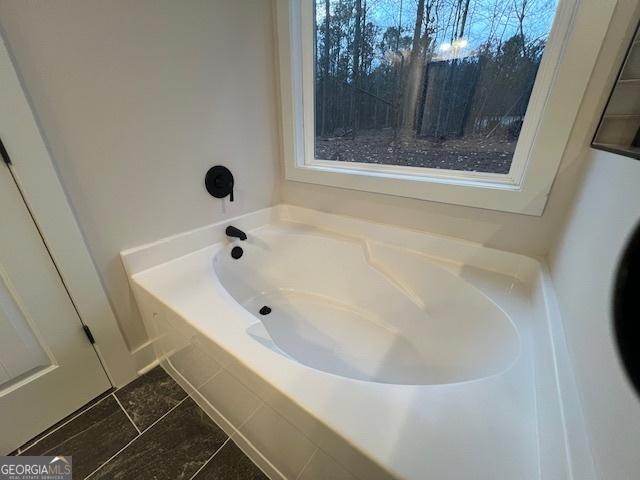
21 450
137 437
306 465
127 414
210 458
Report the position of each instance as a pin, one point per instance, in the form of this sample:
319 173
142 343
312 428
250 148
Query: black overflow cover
265 310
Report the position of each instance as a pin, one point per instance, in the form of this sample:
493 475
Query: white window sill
483 190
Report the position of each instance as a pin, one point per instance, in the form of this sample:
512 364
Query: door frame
37 179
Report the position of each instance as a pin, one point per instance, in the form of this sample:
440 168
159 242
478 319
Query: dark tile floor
148 429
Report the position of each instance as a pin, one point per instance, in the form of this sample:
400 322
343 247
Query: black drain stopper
265 310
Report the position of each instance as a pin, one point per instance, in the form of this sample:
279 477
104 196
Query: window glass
426 83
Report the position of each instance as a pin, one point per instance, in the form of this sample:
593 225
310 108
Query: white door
48 367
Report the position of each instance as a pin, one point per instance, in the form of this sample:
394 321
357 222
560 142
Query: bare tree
327 65
520 7
355 65
420 44
410 93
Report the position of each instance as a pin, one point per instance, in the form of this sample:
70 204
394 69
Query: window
426 83
619 129
459 101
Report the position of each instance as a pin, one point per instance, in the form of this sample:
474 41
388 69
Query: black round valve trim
219 182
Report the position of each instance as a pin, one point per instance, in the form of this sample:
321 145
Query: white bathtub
387 353
364 310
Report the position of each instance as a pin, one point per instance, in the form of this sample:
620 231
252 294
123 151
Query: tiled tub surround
149 429
518 420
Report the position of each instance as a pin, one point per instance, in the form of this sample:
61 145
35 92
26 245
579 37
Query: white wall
137 99
583 265
583 261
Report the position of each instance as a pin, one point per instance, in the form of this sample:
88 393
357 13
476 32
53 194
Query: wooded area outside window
459 101
426 83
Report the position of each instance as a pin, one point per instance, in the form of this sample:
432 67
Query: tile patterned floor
149 429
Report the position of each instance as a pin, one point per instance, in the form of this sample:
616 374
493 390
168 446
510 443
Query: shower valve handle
219 182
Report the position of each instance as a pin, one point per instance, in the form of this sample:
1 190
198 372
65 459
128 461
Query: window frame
574 42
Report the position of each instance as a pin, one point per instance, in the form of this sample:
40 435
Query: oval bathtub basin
364 310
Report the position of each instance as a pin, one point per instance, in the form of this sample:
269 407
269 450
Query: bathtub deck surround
381 353
148 429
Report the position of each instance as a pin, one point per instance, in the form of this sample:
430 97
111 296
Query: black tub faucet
234 232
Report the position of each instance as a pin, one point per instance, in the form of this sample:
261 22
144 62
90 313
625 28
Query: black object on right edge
626 309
